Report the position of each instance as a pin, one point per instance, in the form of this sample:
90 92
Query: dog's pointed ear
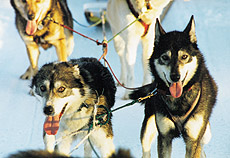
190 30
76 72
158 30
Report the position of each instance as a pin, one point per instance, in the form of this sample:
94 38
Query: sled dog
69 91
36 29
186 94
120 13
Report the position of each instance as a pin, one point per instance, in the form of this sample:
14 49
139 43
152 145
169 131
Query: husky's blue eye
61 89
43 88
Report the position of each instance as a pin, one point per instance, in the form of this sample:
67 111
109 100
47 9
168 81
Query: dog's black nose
31 16
48 110
175 77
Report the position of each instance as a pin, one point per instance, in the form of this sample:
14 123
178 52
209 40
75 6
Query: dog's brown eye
184 57
43 88
61 89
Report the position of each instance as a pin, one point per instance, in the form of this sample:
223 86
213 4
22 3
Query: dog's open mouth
176 88
51 124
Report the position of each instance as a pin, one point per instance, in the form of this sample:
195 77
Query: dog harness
136 14
180 120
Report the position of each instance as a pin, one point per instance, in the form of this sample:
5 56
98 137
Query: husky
121 153
33 22
70 91
120 13
184 94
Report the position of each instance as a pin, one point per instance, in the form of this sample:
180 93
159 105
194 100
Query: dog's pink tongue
31 27
176 89
51 125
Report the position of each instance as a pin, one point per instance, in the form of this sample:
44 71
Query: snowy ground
21 117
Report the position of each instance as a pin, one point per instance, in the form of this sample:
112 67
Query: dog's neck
139 7
179 121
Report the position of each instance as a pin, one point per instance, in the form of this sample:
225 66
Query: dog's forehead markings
58 84
182 52
169 53
46 82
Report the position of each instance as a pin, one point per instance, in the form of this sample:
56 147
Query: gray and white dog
69 91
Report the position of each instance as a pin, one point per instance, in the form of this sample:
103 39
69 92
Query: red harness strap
136 14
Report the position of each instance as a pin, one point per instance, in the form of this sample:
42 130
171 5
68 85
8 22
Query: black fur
142 91
166 104
87 76
92 71
174 41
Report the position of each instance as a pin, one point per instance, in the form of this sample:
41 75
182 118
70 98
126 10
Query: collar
136 14
43 21
148 4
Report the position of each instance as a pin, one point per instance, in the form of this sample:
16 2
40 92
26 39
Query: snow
21 117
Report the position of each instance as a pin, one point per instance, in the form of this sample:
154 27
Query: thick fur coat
186 94
71 92
33 22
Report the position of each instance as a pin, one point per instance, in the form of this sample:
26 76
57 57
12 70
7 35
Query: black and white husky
186 94
70 90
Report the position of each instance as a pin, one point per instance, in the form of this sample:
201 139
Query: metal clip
154 92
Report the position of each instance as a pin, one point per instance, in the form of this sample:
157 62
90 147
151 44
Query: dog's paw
26 76
31 92
119 84
29 74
